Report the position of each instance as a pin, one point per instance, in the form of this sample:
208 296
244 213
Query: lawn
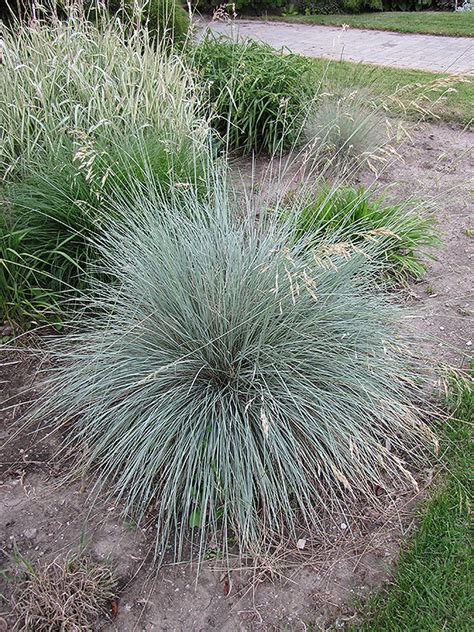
431 589
434 23
383 81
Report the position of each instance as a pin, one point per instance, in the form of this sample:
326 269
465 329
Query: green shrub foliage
235 382
258 96
406 5
240 6
310 7
164 18
313 7
301 6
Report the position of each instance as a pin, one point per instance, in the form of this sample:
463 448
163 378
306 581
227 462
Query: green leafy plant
233 380
406 5
358 6
257 96
32 290
402 234
244 6
290 11
300 6
323 7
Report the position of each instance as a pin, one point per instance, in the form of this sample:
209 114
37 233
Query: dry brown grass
67 594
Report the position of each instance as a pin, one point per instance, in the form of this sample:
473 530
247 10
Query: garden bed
291 587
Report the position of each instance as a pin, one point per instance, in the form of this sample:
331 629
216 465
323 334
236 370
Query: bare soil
318 585
437 166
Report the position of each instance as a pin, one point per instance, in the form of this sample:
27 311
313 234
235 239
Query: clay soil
288 588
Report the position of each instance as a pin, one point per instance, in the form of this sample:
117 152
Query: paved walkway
406 50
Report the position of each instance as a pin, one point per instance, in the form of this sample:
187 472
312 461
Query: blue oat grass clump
234 381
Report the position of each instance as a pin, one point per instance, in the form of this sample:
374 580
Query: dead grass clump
70 594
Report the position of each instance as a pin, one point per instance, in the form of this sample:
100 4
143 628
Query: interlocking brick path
405 50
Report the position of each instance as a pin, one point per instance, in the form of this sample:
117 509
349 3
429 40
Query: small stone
301 544
469 343
30 533
343 526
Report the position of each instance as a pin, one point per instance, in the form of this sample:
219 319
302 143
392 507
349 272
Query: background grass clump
356 217
346 130
258 97
234 381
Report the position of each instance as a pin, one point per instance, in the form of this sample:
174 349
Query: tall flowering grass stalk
64 78
84 111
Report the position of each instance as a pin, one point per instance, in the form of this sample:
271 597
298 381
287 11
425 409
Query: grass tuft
73 594
258 96
346 129
234 381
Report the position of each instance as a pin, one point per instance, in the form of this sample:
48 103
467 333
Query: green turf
383 81
434 23
432 587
